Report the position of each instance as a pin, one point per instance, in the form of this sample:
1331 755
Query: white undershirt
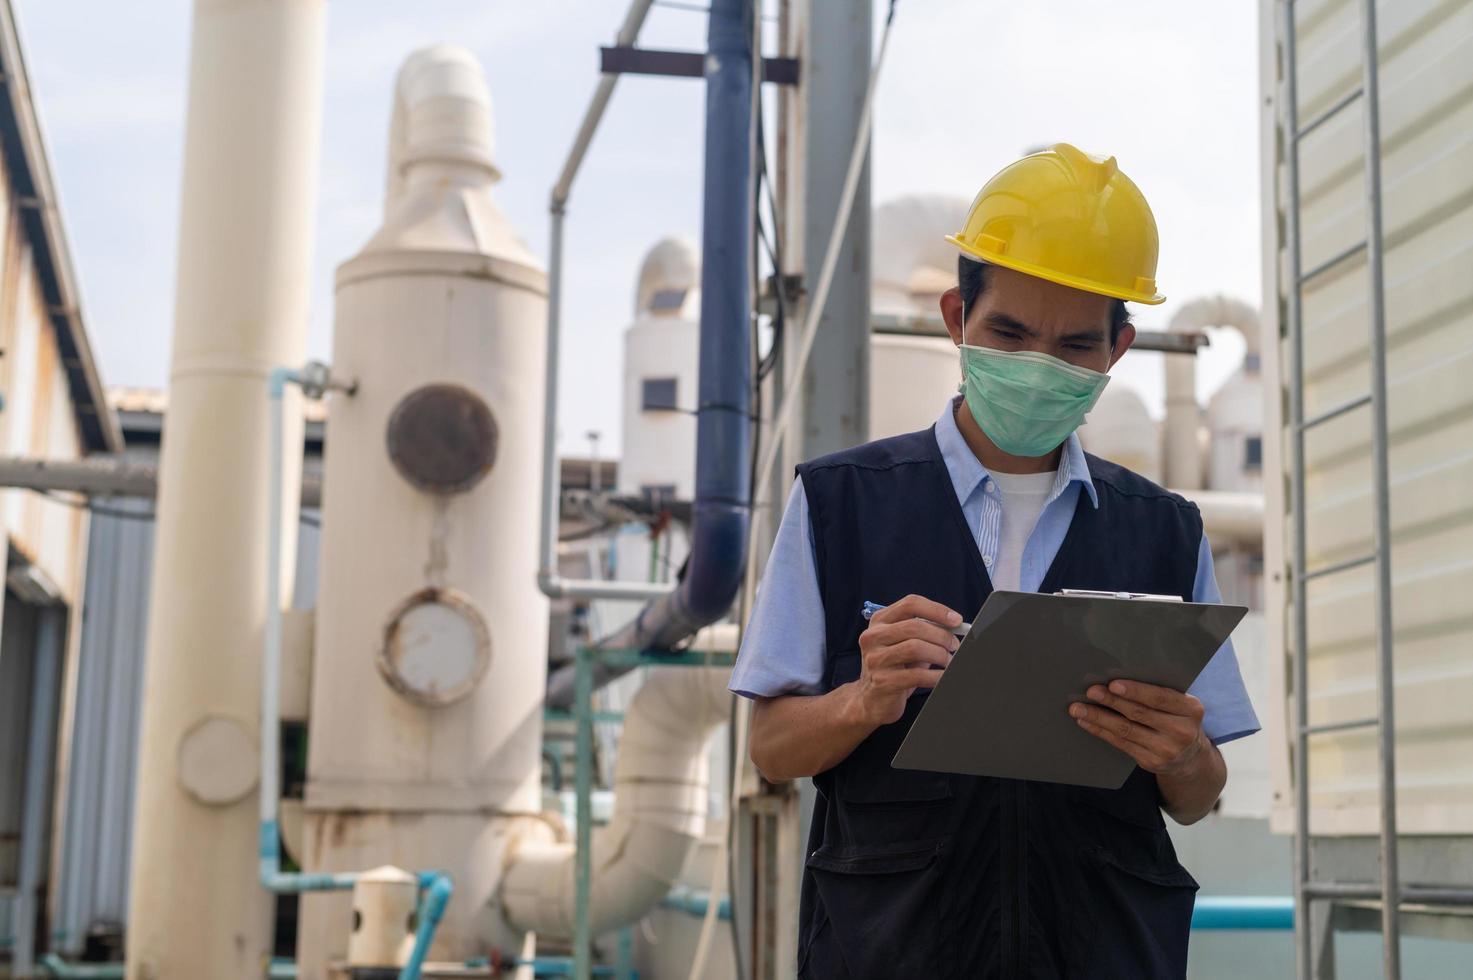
1023 498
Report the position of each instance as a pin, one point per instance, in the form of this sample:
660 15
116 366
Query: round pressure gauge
436 647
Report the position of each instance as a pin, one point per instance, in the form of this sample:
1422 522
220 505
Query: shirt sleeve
1228 712
783 645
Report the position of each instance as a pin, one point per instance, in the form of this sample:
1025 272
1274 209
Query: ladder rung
1339 566
1419 894
1335 412
1333 261
1328 114
1341 726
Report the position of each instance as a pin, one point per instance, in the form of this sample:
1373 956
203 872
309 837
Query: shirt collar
967 471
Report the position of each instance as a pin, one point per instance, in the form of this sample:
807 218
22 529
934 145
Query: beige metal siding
1427 173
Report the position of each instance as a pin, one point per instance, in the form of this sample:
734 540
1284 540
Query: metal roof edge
30 166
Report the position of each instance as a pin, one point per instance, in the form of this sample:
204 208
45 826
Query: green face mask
1027 402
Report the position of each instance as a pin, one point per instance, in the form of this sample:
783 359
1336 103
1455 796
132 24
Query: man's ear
1122 343
951 313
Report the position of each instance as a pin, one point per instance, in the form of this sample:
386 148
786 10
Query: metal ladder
1306 888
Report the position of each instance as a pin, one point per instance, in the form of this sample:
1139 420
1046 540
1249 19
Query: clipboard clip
1094 594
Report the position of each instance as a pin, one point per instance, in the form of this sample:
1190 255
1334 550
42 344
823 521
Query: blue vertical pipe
721 513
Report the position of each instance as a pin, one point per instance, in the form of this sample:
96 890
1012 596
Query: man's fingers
1121 727
1140 754
1134 710
915 606
913 629
1160 698
908 652
919 677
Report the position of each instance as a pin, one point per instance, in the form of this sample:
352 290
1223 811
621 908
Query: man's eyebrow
1004 322
1095 334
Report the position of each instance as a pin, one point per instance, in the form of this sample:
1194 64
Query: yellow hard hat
1069 217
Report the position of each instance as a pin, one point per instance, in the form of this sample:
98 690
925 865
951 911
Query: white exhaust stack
196 908
660 804
1185 468
430 658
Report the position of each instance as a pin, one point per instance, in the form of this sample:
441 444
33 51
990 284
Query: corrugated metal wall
92 871
1427 173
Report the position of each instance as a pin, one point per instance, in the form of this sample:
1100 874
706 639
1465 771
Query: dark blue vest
918 874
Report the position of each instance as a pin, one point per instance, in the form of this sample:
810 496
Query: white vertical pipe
245 242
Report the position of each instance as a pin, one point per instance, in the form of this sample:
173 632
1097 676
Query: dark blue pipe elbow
722 509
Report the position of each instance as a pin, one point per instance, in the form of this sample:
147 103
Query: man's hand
796 735
1161 730
1157 727
897 652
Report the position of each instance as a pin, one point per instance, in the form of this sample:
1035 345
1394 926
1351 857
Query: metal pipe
50 646
721 511
58 967
272 877
1299 586
552 584
1243 912
431 910
583 855
105 476
1381 475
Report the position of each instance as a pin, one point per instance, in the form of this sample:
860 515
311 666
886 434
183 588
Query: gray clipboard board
1002 706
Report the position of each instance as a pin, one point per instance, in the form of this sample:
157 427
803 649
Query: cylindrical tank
1235 427
430 656
196 907
909 378
1120 428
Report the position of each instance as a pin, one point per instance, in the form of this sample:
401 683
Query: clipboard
1001 708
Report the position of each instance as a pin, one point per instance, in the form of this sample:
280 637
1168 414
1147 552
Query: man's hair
971 279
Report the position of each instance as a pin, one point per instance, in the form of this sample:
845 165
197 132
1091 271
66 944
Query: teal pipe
1244 912
431 910
58 967
695 901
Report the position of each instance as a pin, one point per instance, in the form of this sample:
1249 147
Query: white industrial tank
430 654
911 262
910 378
1120 428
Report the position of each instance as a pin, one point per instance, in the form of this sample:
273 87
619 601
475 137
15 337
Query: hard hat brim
1063 279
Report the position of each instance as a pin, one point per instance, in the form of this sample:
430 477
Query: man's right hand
898 651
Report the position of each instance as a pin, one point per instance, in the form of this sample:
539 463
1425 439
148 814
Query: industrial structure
338 671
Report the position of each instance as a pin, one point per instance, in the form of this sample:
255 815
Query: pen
870 608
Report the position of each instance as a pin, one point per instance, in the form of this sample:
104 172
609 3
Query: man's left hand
1159 728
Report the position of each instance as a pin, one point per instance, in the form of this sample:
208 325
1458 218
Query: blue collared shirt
783 647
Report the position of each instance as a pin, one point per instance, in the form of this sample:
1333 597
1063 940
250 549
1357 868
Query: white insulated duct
1184 466
660 805
196 907
1229 516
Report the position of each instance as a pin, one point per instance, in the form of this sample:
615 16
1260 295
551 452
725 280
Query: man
919 874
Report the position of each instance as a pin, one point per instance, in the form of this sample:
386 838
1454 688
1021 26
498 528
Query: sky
1169 88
